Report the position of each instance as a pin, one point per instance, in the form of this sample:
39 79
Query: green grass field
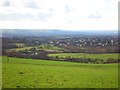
28 73
46 47
83 56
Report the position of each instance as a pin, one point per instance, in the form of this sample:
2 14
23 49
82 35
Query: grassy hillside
29 73
38 47
83 56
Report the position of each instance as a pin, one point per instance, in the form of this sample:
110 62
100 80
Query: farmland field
38 47
83 56
30 73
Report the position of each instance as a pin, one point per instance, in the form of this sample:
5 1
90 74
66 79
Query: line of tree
44 55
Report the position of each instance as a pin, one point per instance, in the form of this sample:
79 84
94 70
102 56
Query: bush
111 60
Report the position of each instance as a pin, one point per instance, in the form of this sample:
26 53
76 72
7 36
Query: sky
59 14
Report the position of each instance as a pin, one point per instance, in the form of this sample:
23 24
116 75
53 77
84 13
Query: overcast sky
59 14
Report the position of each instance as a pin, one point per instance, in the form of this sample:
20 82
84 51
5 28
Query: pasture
30 73
84 56
46 47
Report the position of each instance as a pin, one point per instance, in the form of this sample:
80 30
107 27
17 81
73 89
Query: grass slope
83 56
27 73
38 47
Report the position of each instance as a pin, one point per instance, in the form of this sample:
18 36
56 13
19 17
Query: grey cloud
31 4
107 1
50 9
28 4
14 16
6 3
67 9
43 16
95 15
19 16
70 21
